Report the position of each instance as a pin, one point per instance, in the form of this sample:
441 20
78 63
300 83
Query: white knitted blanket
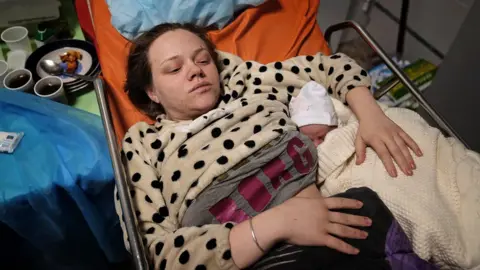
438 207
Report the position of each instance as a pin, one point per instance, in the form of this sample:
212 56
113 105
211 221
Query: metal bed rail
136 246
401 76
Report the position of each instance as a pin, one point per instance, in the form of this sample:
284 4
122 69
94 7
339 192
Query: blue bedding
131 17
56 189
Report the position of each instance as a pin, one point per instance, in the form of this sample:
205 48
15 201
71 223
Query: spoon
55 69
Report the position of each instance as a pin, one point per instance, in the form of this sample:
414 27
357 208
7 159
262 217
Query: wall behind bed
437 21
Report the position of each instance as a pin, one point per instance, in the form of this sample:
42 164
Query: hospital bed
109 89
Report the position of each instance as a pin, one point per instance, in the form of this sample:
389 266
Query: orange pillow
274 31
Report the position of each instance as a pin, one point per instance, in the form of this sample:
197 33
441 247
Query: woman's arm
388 140
168 245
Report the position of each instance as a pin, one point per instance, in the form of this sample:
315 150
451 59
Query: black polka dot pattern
184 257
226 98
147 199
330 91
200 267
350 87
257 81
157 218
357 78
249 64
176 175
141 134
226 62
174 198
206 147
158 248
245 119
236 129
136 177
339 78
188 202
257 91
228 144
228 225
308 70
309 58
235 94
250 144
295 69
163 211
321 67
199 164
278 65
263 69
157 184
156 144
179 241
172 136
256 129
194 184
279 77
271 97
222 160
150 230
161 156
330 71
290 89
347 67
363 73
335 56
227 255
282 122
163 264
216 132
149 131
128 140
129 155
260 108
211 244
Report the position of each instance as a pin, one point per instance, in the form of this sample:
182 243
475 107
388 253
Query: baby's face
316 132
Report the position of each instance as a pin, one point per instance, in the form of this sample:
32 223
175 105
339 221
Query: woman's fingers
360 150
411 143
346 231
342 203
347 219
385 157
398 156
337 244
406 152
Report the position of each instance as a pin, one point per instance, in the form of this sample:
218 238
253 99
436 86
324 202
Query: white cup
16 38
13 81
51 87
3 72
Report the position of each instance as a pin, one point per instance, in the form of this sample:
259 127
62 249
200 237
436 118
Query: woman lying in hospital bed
225 180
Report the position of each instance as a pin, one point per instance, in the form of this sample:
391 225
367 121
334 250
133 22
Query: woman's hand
389 141
311 223
376 130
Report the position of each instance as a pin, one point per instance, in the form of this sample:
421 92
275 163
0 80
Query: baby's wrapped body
192 181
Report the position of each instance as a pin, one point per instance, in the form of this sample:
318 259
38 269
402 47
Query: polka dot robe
170 163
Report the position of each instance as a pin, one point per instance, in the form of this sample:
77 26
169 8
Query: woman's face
185 78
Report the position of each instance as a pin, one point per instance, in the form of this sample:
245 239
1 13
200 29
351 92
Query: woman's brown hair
139 72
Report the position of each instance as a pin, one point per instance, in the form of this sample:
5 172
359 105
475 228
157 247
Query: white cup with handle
3 72
19 80
51 87
16 38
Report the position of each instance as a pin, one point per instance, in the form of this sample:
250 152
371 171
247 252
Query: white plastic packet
9 141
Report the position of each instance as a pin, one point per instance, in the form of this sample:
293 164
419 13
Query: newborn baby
313 112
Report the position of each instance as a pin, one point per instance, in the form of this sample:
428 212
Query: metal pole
396 70
136 245
402 26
